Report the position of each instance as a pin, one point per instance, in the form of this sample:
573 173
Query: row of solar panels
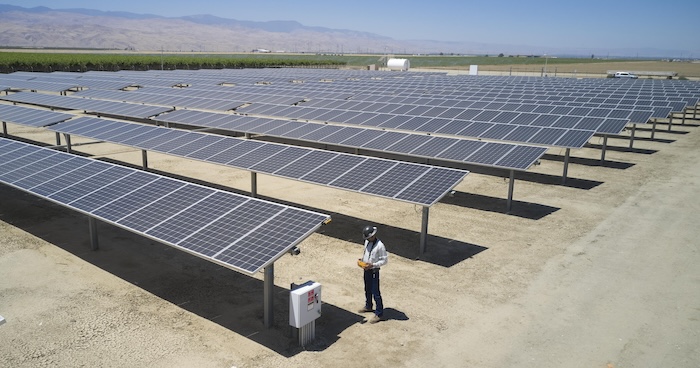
452 99
419 184
508 156
457 83
634 111
503 86
473 108
235 231
409 182
362 81
542 132
31 117
492 154
469 123
299 92
467 100
440 106
481 125
297 89
139 111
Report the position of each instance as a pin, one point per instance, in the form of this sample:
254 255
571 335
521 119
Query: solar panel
237 232
30 117
334 168
305 164
359 177
75 103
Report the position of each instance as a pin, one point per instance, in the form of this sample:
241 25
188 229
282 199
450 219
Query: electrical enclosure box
304 304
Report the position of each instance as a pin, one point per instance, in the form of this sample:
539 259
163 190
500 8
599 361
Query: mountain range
43 27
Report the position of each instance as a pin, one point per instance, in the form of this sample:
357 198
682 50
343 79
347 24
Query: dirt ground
599 272
592 70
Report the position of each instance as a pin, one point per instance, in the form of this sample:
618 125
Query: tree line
50 62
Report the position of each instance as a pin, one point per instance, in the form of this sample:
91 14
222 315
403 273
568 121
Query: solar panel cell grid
460 150
395 179
252 156
135 200
433 147
491 153
575 138
197 216
305 164
519 157
475 129
360 176
167 206
34 163
498 131
385 140
110 192
232 150
424 188
65 179
334 168
218 235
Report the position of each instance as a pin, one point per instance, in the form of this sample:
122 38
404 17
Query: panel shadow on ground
528 210
225 297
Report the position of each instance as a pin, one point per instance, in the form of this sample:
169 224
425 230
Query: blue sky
546 24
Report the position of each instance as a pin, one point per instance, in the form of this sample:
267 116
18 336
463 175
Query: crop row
48 62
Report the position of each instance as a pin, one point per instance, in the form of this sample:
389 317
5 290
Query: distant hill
43 27
85 28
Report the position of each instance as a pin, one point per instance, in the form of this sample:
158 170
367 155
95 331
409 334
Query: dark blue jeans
372 290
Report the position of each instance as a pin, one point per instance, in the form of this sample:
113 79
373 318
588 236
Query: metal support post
683 120
69 148
634 129
254 184
511 186
58 138
670 122
269 285
566 165
605 147
92 223
144 158
424 229
4 129
653 128
246 135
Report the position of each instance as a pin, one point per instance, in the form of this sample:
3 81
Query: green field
84 60
55 61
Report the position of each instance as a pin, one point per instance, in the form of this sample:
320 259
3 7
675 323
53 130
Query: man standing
374 257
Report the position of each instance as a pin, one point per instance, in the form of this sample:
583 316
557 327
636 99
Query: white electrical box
304 304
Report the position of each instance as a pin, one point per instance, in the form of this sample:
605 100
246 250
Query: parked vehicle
625 75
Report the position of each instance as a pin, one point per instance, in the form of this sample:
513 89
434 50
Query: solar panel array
37 85
97 106
548 112
413 183
161 99
560 133
448 105
238 232
492 154
31 117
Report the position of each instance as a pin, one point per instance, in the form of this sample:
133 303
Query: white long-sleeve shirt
375 253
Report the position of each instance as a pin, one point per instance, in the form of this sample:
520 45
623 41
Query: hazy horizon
602 28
